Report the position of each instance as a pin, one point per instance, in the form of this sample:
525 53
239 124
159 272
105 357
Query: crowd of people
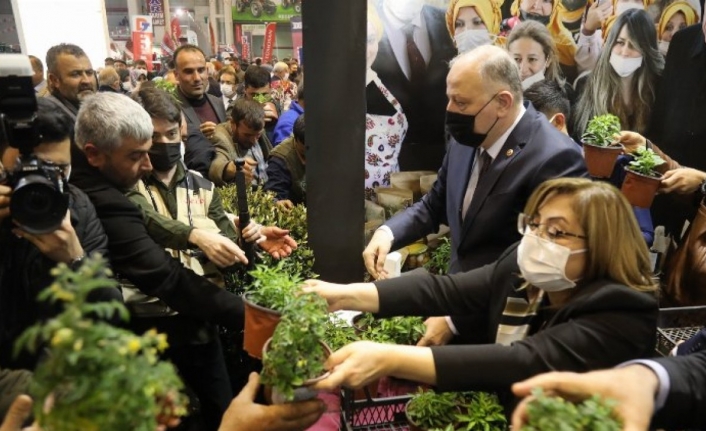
549 270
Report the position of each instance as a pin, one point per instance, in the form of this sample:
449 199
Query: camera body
40 190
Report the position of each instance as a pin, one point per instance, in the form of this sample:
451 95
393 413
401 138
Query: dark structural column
334 74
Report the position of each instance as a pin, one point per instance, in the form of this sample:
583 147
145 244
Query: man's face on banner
404 10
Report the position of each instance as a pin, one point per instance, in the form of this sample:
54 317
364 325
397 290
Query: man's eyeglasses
526 224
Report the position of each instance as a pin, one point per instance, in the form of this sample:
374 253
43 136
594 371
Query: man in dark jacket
28 258
71 77
202 111
113 138
286 168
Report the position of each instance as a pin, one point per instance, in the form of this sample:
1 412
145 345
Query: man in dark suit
415 73
202 111
677 119
660 393
501 150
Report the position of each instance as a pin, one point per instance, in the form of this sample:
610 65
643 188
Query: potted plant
440 258
270 291
98 376
470 411
406 330
641 180
599 150
547 413
428 410
294 357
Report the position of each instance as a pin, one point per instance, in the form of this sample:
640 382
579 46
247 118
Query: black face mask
164 156
544 20
460 127
572 5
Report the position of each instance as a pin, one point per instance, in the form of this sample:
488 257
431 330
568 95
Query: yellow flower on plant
63 334
78 344
134 345
162 343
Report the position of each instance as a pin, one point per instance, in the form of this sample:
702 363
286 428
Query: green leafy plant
272 287
601 130
645 161
339 333
405 330
483 413
296 353
453 411
263 208
100 377
549 413
440 258
430 410
169 87
262 98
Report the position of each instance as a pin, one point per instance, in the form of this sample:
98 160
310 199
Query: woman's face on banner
372 46
539 7
468 19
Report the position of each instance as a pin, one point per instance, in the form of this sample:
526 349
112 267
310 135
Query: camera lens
37 205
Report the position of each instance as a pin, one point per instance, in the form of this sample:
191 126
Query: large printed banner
156 9
269 44
282 11
142 39
246 43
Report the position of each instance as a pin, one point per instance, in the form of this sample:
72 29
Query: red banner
142 47
297 38
247 37
269 43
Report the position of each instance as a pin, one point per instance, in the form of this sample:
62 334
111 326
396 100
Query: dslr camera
39 190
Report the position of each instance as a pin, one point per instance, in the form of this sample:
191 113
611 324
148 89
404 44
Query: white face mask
404 10
543 263
227 90
527 82
470 39
226 62
622 7
127 86
625 66
286 76
663 47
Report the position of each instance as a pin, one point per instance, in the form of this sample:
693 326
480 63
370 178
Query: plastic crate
373 413
678 324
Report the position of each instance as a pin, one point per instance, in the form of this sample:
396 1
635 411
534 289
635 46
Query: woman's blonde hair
540 34
615 247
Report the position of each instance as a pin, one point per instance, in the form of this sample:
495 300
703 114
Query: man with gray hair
113 138
109 80
71 77
501 149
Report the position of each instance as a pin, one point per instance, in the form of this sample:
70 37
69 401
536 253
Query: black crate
373 413
678 324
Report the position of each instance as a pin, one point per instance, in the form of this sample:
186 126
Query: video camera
40 190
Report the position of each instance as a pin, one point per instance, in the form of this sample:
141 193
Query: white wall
42 24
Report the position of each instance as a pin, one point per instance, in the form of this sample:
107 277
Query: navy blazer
686 400
533 153
199 152
604 324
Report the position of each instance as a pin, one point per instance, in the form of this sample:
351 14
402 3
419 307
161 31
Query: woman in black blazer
575 295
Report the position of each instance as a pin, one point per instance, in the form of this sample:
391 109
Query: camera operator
25 271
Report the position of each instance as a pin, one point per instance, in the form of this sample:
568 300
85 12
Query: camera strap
188 198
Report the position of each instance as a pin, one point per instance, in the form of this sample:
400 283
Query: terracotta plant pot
640 189
303 392
601 160
260 324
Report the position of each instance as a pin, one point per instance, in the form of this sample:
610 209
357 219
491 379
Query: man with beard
71 77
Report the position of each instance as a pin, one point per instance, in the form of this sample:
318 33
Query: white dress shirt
398 40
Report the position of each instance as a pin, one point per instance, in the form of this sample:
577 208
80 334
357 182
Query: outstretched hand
277 243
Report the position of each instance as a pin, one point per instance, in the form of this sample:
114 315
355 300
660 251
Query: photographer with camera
43 221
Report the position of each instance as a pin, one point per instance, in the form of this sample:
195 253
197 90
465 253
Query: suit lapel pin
510 152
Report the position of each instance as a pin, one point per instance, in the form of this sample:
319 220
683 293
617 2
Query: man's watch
76 263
